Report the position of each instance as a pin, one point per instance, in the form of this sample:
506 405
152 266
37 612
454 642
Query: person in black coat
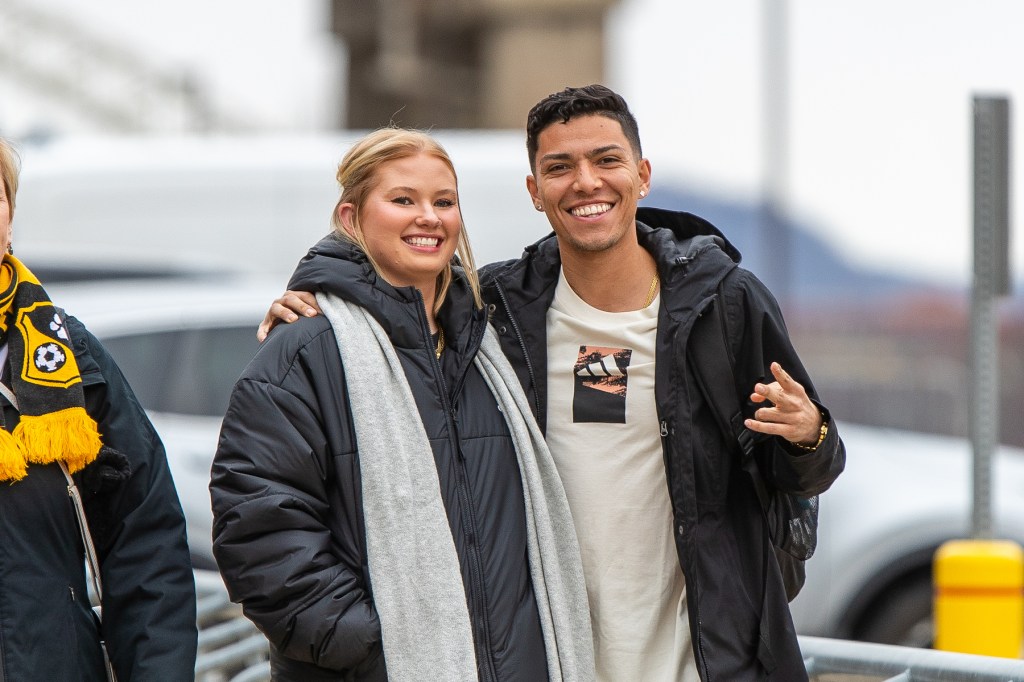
66 404
376 512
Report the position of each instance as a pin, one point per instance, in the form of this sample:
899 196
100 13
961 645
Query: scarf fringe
69 435
12 458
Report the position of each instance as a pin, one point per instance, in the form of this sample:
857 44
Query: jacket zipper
483 647
696 637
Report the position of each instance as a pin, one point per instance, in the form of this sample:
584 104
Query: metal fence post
991 280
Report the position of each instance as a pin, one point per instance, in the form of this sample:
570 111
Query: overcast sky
880 100
880 106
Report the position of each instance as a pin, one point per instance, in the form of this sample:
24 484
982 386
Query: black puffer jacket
738 614
288 524
47 629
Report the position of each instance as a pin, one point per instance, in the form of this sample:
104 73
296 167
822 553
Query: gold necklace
440 343
653 289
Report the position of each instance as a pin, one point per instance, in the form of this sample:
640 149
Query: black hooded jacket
288 526
47 628
738 613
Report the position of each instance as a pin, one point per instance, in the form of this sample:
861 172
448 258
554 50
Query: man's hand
791 415
287 309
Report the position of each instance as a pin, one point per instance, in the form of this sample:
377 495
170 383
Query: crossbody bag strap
709 360
83 527
93 563
76 502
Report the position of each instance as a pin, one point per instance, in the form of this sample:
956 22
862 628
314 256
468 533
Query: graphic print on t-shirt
599 394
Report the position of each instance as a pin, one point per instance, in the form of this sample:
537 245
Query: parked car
183 343
902 495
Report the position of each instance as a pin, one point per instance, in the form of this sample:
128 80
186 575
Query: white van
234 204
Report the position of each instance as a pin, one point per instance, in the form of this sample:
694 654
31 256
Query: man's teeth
591 209
423 241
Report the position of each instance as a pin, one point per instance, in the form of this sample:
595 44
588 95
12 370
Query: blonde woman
384 505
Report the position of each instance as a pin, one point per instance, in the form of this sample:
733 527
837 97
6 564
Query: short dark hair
561 106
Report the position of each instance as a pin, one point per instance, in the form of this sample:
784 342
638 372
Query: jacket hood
336 266
693 257
687 229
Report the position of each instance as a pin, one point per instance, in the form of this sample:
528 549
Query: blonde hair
9 173
357 175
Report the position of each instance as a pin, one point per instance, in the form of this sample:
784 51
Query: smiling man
596 318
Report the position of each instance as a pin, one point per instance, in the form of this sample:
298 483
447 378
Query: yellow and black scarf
54 425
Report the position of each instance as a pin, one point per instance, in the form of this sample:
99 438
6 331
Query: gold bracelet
822 432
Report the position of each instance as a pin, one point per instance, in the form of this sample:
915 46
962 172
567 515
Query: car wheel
901 615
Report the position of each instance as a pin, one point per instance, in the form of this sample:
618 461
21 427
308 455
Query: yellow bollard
979 597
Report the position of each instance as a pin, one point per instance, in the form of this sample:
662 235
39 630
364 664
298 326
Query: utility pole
777 243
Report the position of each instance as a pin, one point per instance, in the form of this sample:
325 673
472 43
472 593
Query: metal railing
231 649
837 660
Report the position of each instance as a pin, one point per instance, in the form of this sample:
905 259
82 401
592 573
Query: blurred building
464 63
421 63
902 361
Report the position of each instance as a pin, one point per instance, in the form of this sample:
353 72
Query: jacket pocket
77 636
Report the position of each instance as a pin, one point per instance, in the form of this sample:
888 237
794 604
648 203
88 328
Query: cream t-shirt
603 432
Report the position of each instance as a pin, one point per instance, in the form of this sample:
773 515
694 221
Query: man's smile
590 210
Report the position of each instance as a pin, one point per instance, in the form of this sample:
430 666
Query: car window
184 371
146 361
209 365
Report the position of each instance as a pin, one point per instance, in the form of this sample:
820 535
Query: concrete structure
464 63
